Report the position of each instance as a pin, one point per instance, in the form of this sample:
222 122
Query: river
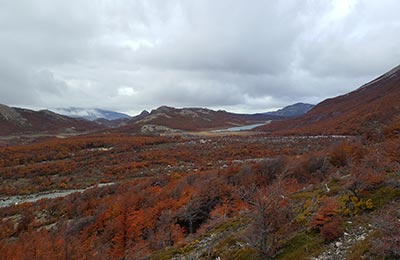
240 128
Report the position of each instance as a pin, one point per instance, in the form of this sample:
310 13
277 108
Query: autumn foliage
327 220
169 192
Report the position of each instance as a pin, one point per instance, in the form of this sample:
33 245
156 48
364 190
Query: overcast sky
243 56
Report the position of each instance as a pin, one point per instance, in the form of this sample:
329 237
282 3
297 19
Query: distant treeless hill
91 114
25 121
367 110
294 110
163 119
170 119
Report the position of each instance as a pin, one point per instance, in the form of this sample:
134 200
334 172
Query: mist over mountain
91 113
14 121
163 142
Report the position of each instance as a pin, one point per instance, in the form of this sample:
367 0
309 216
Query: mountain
142 115
294 110
367 110
121 121
24 121
170 119
91 114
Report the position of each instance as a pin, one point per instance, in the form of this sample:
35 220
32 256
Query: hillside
91 114
177 119
367 110
294 110
227 197
257 196
25 121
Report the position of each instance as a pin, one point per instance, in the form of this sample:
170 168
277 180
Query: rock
337 250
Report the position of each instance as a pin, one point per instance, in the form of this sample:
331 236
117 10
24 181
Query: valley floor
199 195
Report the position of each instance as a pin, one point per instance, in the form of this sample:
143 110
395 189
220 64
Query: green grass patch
335 187
358 250
303 246
230 225
361 250
229 248
305 194
242 254
384 195
165 254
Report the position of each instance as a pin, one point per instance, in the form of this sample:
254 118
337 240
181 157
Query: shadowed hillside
174 119
366 110
25 121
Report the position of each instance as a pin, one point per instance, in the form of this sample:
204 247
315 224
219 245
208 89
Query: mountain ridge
366 110
91 114
166 118
161 119
25 121
294 110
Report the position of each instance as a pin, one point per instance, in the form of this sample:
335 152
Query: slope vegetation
173 119
367 110
25 121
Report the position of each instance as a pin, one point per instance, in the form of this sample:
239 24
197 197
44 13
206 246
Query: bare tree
192 214
270 212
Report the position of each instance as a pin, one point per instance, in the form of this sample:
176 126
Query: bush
326 213
268 170
388 244
352 205
327 220
345 152
332 230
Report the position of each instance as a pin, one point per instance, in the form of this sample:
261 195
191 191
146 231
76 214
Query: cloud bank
236 55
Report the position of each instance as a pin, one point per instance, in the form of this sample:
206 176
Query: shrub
388 244
268 170
332 230
326 213
345 152
352 205
327 220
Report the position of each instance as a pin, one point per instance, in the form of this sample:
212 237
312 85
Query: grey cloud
14 87
237 55
227 36
360 44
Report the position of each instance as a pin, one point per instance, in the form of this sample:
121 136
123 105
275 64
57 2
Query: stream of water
241 128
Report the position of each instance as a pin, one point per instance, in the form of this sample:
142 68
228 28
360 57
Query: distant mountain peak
91 114
15 120
144 113
368 110
163 109
166 118
294 110
10 114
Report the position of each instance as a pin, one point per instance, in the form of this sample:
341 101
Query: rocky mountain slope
91 114
294 110
167 118
367 110
25 121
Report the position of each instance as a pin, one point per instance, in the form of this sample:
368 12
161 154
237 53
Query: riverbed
240 128
53 194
